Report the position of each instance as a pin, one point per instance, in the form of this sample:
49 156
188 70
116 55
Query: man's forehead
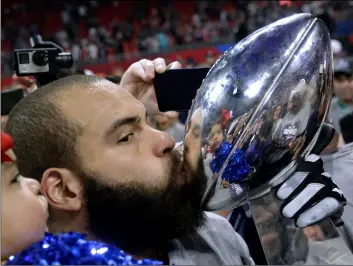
87 102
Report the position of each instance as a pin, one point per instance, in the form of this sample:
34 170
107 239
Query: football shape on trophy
259 109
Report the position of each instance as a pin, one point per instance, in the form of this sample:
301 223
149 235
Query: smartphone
176 88
9 98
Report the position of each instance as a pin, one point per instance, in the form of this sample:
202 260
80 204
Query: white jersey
216 243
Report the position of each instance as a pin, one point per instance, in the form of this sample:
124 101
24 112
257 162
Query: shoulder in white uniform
228 243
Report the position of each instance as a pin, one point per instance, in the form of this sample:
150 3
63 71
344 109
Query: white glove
310 196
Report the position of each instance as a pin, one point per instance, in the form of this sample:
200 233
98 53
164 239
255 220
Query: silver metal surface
284 244
265 98
259 109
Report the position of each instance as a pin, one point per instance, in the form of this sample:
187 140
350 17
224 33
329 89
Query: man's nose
162 143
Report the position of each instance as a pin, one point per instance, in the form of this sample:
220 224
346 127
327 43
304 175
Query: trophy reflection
258 111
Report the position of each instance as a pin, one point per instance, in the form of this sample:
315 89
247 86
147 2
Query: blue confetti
73 249
237 169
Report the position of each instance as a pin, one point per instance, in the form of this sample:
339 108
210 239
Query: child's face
216 137
23 211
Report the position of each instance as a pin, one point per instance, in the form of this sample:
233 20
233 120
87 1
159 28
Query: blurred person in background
339 55
76 51
340 166
190 63
163 39
210 59
342 103
151 44
92 50
117 72
172 126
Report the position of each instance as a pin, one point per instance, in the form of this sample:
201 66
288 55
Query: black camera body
43 61
31 62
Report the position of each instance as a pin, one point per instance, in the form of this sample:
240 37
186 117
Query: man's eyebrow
121 122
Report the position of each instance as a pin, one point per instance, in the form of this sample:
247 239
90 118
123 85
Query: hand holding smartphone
176 88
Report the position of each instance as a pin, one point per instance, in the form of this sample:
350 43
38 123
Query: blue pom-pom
73 249
237 169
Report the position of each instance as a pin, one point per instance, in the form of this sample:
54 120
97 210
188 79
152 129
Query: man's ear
62 188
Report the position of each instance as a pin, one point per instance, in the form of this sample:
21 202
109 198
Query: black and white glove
309 195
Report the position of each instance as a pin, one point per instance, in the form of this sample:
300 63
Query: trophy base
284 244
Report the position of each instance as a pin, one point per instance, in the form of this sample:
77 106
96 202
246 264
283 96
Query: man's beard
138 217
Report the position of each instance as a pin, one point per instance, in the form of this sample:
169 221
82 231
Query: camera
44 60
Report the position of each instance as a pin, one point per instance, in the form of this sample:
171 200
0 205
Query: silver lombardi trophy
284 68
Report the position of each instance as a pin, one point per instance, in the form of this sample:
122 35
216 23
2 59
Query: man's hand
314 233
309 195
27 83
138 80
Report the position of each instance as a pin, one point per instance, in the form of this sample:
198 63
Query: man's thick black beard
137 218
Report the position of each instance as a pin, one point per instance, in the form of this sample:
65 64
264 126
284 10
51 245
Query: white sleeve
231 241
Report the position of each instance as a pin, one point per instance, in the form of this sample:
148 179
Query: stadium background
105 37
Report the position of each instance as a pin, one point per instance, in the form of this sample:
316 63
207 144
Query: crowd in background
107 31
102 31
153 27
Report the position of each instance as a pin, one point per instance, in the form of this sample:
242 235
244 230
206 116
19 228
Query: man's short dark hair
43 135
114 79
